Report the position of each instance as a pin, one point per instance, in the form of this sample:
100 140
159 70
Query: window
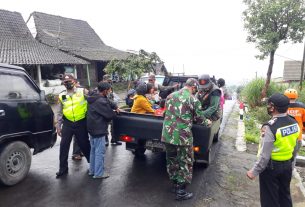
16 87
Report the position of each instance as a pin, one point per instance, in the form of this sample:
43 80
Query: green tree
270 22
134 65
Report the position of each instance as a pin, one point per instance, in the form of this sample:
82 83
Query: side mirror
42 95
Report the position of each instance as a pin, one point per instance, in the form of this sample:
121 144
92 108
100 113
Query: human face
194 90
69 84
270 108
151 80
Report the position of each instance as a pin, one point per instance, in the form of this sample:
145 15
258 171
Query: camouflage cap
106 77
192 82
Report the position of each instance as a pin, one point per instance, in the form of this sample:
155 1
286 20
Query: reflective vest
75 106
297 110
286 132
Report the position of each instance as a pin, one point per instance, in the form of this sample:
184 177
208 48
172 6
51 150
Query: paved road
133 181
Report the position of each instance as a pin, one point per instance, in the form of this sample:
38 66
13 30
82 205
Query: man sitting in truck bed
141 104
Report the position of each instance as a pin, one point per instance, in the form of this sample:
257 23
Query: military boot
182 194
174 187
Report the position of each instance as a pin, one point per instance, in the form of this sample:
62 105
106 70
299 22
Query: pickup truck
26 121
143 131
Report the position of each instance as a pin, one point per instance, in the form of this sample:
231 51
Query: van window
16 87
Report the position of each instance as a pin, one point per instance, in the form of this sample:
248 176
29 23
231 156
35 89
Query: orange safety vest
298 112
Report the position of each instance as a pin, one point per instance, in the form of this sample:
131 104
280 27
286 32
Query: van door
21 110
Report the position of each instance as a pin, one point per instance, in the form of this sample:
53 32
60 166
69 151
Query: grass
302 151
252 132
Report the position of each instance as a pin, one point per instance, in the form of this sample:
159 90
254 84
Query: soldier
209 96
107 78
182 109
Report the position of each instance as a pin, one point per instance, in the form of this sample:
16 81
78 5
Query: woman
141 104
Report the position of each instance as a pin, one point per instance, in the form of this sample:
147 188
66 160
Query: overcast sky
199 36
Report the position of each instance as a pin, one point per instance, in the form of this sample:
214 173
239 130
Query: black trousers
274 183
79 130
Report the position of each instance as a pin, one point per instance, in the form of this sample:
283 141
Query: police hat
279 100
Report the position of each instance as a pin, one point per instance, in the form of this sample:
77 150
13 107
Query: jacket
99 114
141 105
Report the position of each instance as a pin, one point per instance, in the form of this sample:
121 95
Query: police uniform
274 166
72 116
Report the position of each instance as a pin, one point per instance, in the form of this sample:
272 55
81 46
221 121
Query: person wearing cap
278 144
182 109
107 78
209 96
71 121
297 110
100 113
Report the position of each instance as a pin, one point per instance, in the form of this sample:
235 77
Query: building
42 62
76 37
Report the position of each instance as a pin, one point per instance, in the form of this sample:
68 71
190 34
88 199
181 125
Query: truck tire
208 159
139 152
216 136
15 162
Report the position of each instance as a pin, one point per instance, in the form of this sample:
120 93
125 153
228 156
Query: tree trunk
269 72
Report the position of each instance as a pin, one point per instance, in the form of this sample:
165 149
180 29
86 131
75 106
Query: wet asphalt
132 182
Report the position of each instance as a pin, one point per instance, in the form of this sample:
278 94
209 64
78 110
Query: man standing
182 109
71 120
99 115
209 96
278 143
107 79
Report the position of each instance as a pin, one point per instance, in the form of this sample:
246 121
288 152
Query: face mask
269 111
69 85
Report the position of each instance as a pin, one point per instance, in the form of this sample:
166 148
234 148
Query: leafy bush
260 114
252 132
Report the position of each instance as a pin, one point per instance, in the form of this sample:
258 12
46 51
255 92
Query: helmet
291 93
221 82
204 81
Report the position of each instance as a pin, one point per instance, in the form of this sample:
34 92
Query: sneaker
76 157
106 175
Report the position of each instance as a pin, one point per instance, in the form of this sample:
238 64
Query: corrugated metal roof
74 36
17 46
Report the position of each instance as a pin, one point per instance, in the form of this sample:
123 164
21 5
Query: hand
250 175
58 129
118 110
209 122
176 85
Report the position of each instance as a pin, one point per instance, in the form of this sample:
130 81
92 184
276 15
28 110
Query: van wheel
15 162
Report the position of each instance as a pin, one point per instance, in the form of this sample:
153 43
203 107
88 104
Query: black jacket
99 114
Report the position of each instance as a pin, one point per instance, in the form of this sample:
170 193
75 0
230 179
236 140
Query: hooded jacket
99 114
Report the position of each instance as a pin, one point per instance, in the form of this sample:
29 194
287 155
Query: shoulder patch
272 121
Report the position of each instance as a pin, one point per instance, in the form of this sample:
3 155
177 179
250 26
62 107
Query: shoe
61 173
106 175
182 194
76 157
116 142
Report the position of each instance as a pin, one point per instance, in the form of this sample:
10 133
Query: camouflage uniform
182 108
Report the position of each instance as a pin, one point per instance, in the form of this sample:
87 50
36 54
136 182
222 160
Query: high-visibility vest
75 106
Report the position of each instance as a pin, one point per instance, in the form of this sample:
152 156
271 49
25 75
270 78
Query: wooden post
39 75
75 71
88 75
302 69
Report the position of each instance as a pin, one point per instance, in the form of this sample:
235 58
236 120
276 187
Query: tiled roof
74 36
292 71
17 46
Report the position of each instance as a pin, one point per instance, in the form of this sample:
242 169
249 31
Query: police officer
182 108
71 120
209 96
274 165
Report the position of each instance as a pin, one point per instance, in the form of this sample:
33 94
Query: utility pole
302 68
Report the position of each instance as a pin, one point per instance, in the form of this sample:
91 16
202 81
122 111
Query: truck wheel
15 162
139 152
207 159
216 136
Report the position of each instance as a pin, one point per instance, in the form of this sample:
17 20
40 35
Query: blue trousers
97 155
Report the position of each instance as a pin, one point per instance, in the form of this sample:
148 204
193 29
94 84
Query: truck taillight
196 149
126 138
